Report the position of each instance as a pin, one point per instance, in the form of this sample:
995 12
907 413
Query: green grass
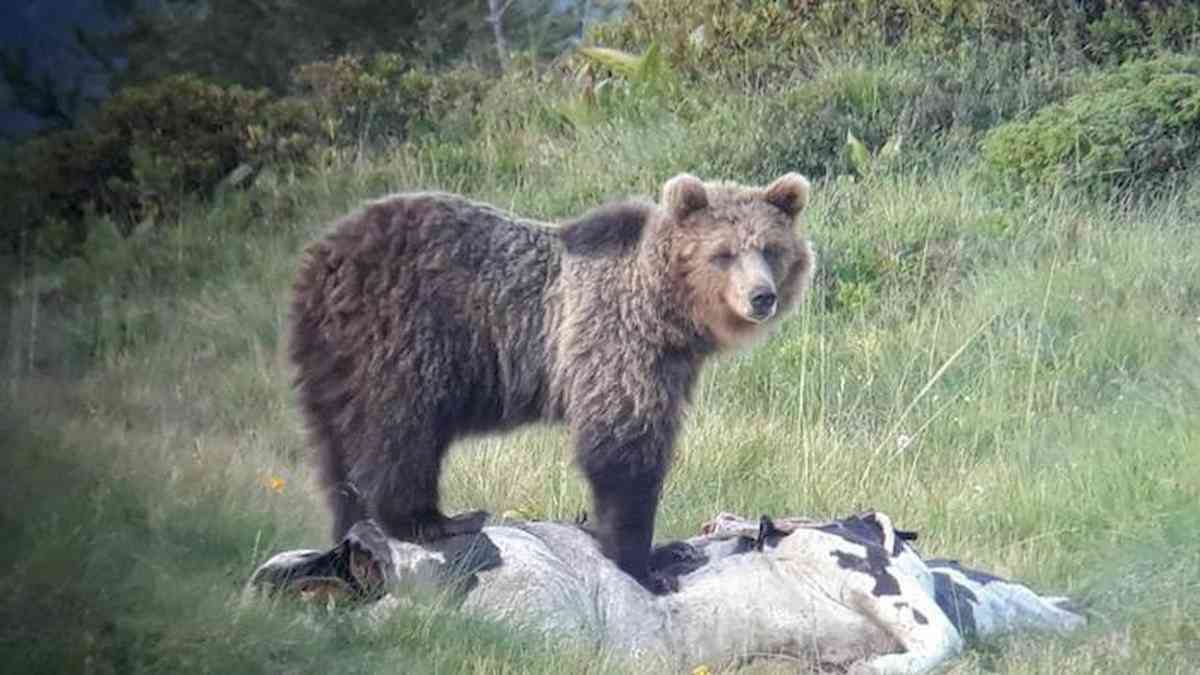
1014 375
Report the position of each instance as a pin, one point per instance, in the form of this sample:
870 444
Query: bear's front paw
677 558
660 583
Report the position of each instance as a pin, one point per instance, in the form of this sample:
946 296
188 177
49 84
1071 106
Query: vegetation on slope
1008 366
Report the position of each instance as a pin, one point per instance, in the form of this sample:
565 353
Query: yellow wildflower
274 484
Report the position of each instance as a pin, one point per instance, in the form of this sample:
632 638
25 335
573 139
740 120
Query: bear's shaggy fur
426 317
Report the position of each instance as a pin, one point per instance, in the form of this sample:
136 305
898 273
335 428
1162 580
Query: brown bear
426 317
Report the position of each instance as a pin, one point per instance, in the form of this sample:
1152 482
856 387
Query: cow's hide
850 594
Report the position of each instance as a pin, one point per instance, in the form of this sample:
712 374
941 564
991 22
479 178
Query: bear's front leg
626 476
623 525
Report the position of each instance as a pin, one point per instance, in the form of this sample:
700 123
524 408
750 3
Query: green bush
1135 126
731 39
146 148
909 101
182 135
1126 30
815 116
385 97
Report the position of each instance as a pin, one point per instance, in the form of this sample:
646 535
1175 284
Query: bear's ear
683 195
789 193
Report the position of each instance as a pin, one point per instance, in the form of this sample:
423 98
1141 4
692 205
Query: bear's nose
763 302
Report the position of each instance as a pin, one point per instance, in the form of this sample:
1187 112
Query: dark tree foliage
65 77
258 43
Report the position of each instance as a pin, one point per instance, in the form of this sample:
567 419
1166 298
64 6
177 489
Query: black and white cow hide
850 594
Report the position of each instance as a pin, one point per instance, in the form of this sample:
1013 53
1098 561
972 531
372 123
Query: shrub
815 116
385 97
1121 30
709 36
145 148
907 100
183 135
447 102
742 39
1137 125
733 39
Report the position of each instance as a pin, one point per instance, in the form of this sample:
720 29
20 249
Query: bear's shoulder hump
612 229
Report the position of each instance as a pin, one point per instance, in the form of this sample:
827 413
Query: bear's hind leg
404 496
344 499
346 504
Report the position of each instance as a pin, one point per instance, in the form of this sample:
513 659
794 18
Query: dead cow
847 594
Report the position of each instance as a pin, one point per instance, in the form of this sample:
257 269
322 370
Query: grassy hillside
1010 368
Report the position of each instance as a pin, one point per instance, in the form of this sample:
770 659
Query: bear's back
448 296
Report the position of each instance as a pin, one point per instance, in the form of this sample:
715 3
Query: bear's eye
722 258
772 254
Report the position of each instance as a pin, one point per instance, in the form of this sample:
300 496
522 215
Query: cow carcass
849 594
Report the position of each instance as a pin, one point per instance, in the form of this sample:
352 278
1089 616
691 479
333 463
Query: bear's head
735 254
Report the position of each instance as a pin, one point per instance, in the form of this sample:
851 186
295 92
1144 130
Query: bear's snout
762 303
